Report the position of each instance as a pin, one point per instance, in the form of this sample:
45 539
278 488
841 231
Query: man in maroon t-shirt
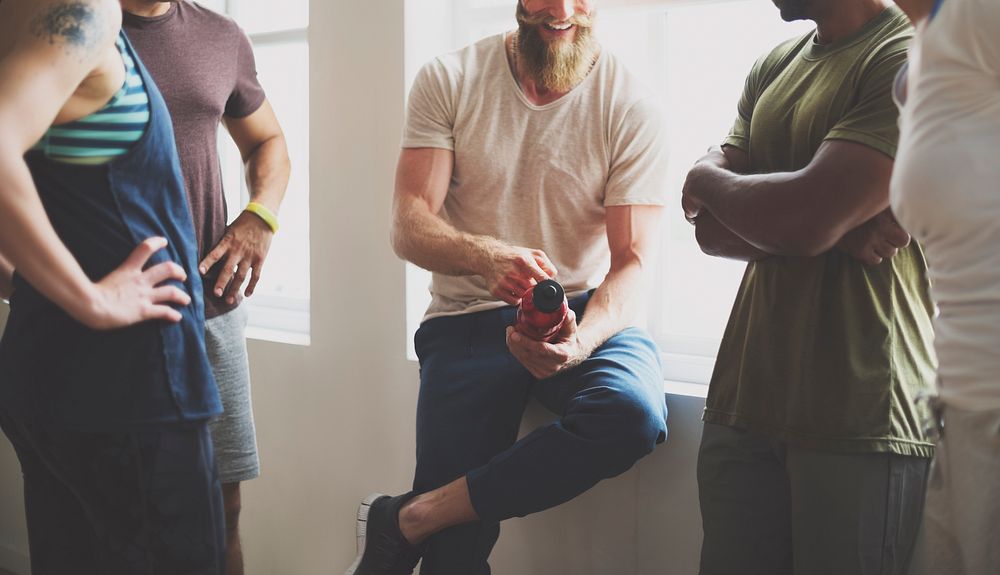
204 66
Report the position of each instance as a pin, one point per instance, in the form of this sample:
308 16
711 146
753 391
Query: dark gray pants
772 509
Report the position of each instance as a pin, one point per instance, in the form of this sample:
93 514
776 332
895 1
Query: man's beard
560 65
793 9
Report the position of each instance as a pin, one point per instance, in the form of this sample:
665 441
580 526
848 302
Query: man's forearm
267 172
755 208
614 305
797 213
717 240
429 242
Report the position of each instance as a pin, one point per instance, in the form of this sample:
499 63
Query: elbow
705 242
397 243
399 240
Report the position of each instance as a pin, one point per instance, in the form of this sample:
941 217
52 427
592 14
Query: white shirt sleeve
638 174
430 114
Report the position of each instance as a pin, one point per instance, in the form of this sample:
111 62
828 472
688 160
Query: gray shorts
961 532
233 436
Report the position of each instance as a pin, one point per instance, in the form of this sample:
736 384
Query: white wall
335 420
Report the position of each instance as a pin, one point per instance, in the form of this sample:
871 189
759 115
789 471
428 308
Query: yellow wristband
261 211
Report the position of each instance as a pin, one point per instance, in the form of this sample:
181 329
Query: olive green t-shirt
825 352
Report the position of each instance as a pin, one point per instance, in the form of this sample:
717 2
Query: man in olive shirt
813 458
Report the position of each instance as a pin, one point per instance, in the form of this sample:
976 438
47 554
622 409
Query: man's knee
643 425
628 425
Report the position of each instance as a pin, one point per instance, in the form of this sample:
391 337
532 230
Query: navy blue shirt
54 368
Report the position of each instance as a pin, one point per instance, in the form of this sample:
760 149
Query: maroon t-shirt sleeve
247 94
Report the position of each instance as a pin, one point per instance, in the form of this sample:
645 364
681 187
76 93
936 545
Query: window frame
273 318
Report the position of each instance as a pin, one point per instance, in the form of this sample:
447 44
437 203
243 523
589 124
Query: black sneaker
382 549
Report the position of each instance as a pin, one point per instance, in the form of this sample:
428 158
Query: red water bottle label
542 311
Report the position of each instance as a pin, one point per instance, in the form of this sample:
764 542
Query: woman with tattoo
106 390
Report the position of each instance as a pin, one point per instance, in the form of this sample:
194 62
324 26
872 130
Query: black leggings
120 503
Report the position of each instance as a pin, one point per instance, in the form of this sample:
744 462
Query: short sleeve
638 174
739 135
873 118
247 95
981 22
430 112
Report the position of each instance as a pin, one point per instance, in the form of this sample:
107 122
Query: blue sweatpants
473 393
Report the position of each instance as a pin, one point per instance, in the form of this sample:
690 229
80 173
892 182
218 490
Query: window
279 308
695 55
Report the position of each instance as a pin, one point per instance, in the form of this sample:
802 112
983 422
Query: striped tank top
107 133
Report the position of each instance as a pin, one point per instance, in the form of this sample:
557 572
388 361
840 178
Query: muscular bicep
57 47
633 233
849 182
422 177
251 131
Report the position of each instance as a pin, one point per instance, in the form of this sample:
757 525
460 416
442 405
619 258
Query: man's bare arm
421 236
802 213
633 237
247 241
716 239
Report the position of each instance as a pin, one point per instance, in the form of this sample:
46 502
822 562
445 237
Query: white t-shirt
946 190
535 176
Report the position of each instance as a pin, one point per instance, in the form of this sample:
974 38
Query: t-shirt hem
736 142
249 109
429 144
895 445
886 147
635 202
215 308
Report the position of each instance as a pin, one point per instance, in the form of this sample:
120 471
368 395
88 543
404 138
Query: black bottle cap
548 296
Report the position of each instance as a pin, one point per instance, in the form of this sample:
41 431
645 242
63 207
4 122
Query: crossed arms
840 200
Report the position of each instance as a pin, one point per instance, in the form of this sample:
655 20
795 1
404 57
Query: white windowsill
278 336
685 388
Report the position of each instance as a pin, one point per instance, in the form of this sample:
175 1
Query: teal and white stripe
108 133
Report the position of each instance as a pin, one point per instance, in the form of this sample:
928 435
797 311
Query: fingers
237 282
225 275
885 250
254 278
214 256
567 331
533 268
897 236
162 312
691 208
543 261
507 292
164 272
870 257
145 250
170 295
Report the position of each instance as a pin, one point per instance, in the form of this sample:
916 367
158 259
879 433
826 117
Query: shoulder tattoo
73 24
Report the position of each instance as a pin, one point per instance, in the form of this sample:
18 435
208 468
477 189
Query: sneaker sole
361 530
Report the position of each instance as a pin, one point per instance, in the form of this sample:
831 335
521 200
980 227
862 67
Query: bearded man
527 156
